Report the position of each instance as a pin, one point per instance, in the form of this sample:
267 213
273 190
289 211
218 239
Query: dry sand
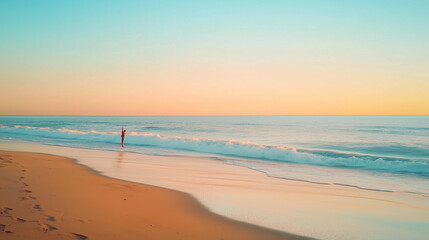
50 197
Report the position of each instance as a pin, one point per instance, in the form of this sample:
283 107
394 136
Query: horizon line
214 115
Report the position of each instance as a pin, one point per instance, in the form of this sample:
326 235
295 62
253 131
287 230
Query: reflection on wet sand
120 158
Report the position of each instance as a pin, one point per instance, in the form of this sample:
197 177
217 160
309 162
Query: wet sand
50 197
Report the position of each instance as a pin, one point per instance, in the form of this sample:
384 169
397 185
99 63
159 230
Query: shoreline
55 197
328 212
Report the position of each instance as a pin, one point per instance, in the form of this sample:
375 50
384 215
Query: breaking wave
241 149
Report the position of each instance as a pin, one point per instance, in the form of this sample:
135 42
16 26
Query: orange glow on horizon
210 91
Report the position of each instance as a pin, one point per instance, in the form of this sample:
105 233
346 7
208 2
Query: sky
214 57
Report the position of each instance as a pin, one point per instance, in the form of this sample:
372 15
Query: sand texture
50 197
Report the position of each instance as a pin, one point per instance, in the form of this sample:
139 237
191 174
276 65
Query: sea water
377 153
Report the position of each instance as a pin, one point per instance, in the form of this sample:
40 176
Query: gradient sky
214 57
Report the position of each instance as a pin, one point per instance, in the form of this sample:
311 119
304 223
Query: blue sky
39 38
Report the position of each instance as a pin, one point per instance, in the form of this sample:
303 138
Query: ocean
377 153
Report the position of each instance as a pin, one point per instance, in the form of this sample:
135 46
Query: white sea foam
243 149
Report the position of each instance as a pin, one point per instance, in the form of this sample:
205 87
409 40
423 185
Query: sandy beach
51 197
207 198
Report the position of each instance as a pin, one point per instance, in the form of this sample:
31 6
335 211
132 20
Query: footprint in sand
5 210
46 227
81 220
79 236
36 206
2 229
17 219
28 198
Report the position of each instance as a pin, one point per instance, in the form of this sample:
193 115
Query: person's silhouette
123 136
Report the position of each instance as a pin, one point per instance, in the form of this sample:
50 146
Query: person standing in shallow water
123 136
